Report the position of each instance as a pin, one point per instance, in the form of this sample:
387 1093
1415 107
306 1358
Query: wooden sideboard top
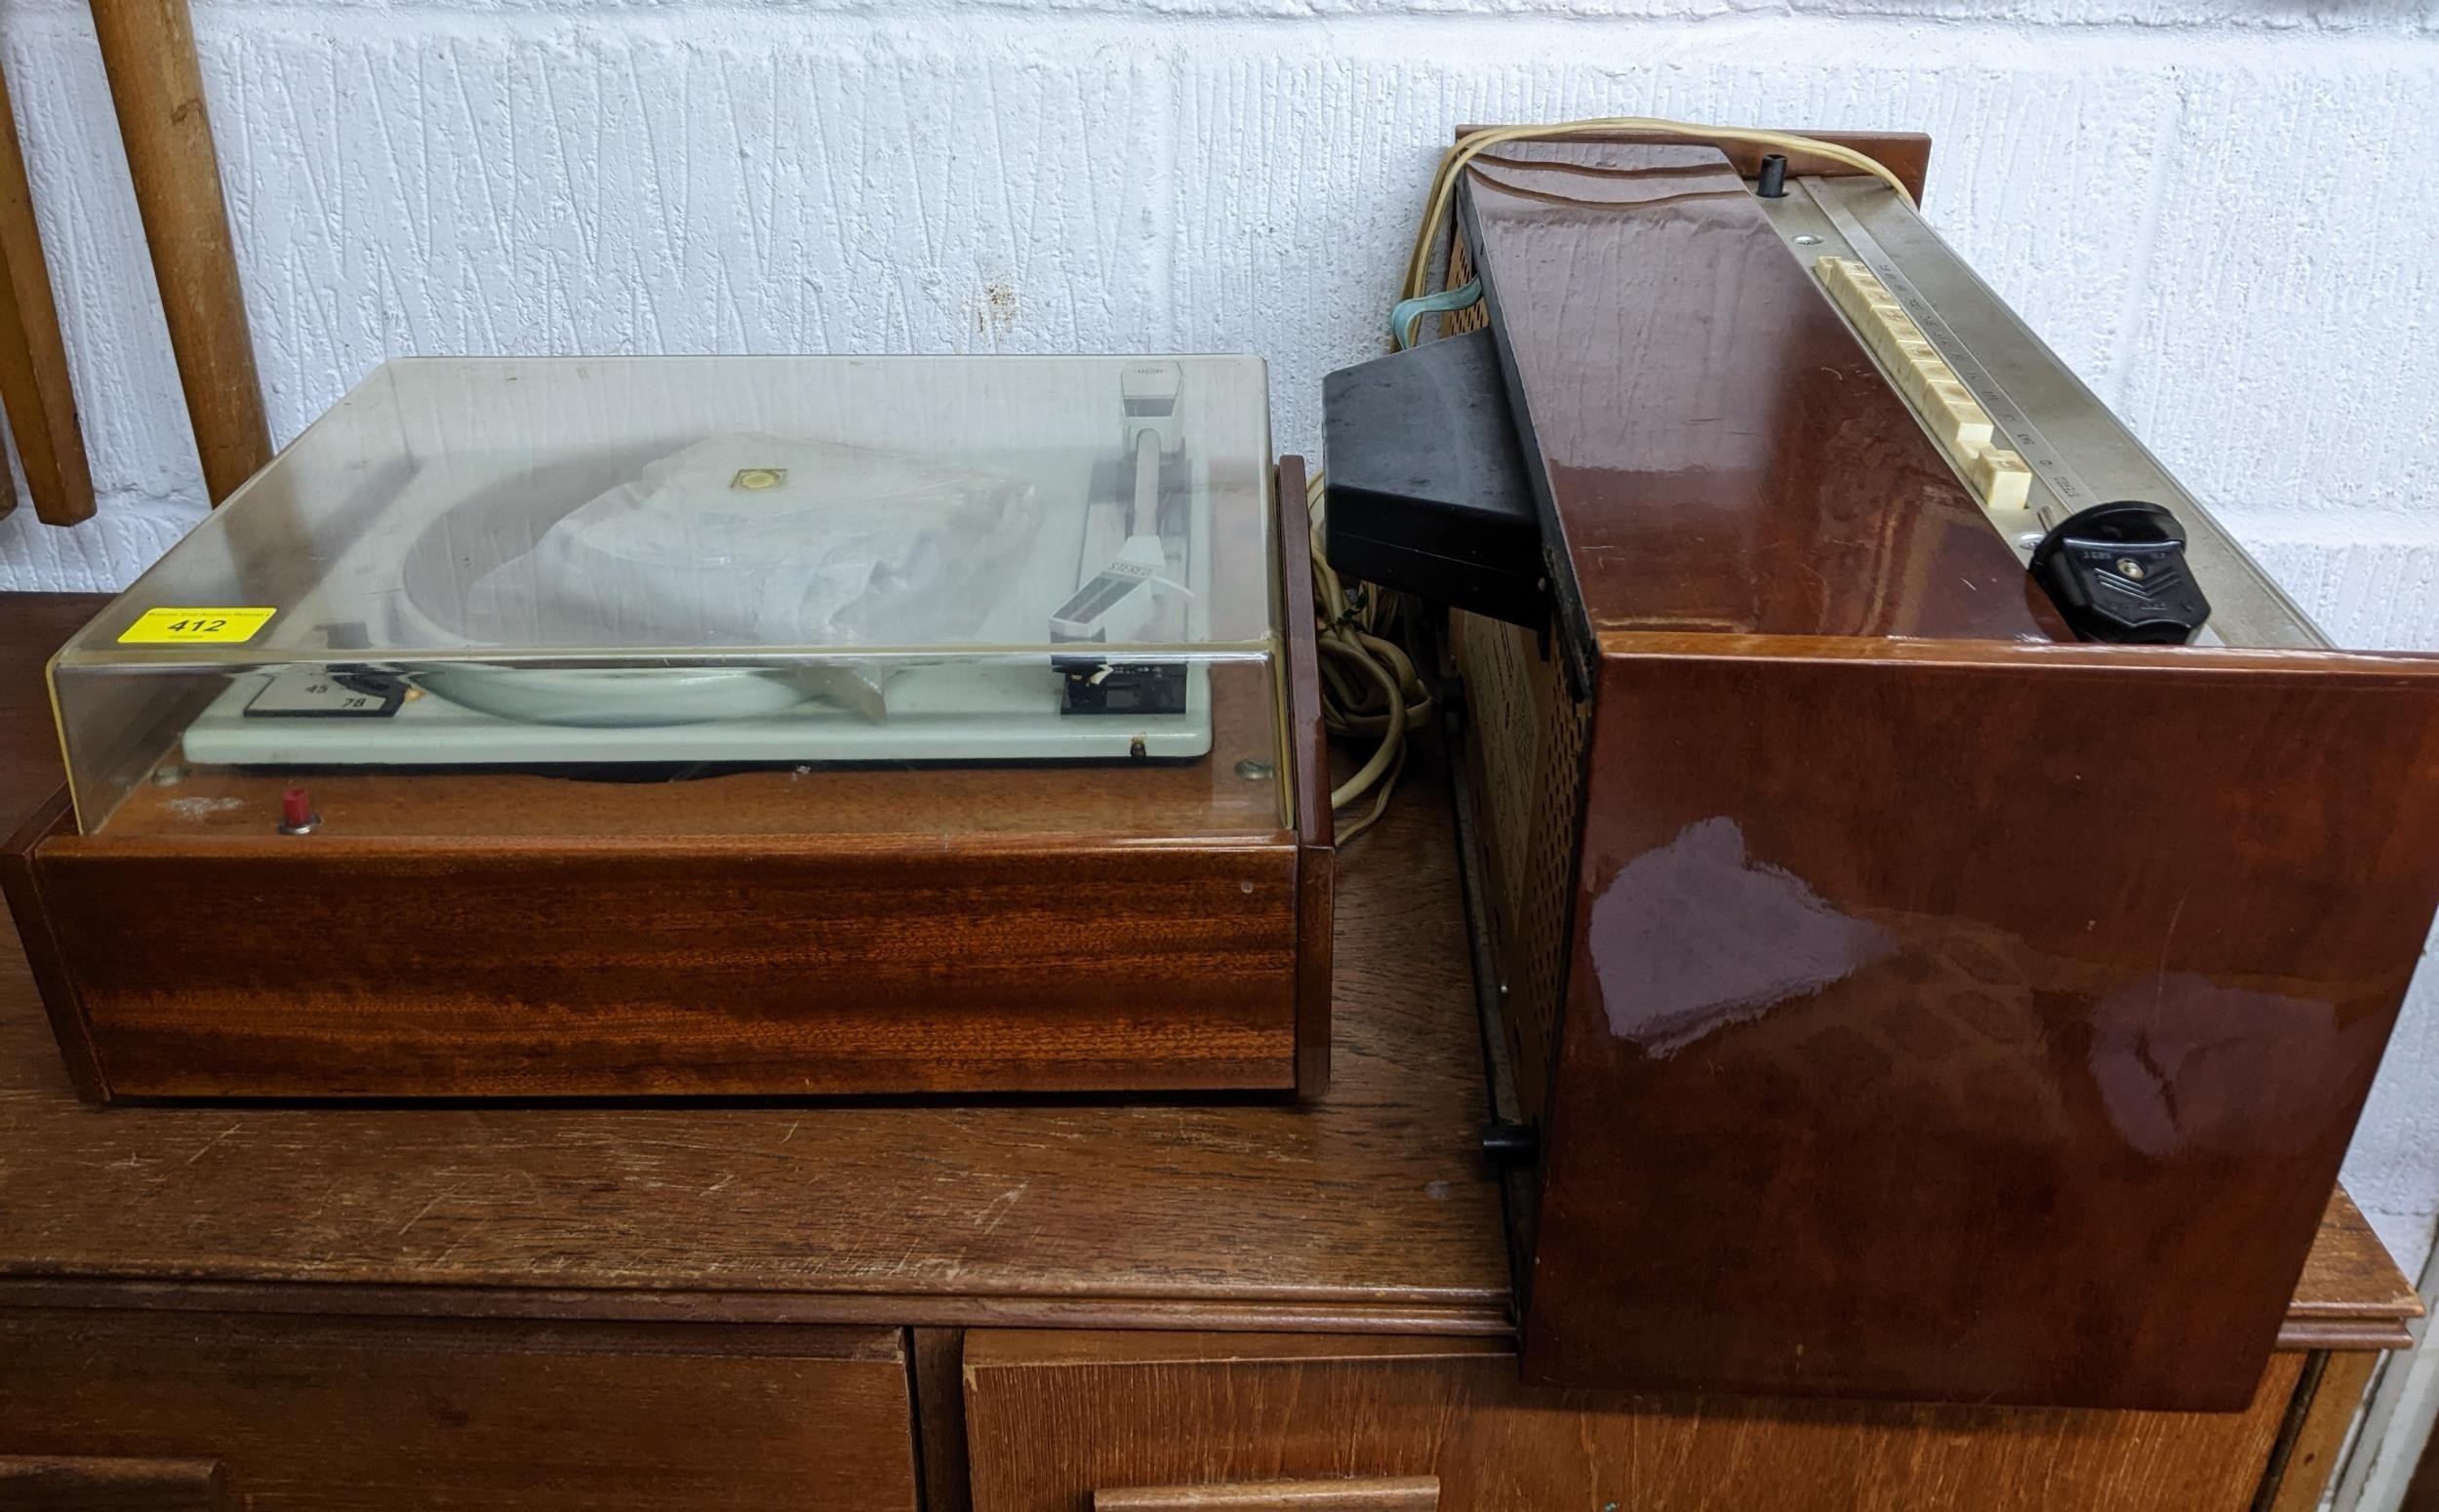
1369 1211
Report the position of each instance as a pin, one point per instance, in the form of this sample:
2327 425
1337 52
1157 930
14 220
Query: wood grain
1306 766
34 384
1918 955
1053 1417
61 1483
2327 1400
1348 1494
2349 1274
2150 1043
767 967
938 1358
148 49
45 958
1721 453
343 1414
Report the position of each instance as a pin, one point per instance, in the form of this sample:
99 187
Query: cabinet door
345 1414
1057 1419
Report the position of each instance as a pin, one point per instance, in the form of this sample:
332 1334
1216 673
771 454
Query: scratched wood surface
449 1414
1056 1419
1367 1210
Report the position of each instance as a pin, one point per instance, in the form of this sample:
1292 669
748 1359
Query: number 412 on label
196 626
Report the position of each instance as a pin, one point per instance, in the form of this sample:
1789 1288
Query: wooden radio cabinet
1907 990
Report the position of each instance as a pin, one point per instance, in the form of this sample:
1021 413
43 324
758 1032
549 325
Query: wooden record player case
727 936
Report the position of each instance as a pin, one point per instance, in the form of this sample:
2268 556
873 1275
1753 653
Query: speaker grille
1524 768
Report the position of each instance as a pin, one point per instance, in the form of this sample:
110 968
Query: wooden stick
148 49
33 362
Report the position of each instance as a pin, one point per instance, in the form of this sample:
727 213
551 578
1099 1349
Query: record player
747 726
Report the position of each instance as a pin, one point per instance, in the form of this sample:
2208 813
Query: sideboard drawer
1066 1421
351 1412
66 1483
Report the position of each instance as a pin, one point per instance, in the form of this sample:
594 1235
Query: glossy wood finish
346 1413
1716 449
2088 991
1055 1416
61 1483
1142 928
1917 959
148 49
746 966
34 382
45 958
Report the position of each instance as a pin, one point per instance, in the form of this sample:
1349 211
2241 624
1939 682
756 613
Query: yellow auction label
196 626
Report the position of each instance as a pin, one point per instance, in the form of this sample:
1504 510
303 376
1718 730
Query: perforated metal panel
1524 766
1473 317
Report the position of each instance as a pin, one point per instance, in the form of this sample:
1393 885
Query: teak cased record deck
745 726
1947 906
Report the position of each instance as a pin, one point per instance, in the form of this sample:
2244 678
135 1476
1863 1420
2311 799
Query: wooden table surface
1369 1211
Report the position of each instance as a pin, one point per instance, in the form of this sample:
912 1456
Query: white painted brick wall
2217 209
